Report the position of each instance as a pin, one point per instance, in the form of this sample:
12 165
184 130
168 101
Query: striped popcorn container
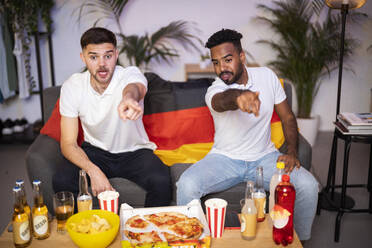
109 200
216 212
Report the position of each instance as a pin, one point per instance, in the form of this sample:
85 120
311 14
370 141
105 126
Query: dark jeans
142 167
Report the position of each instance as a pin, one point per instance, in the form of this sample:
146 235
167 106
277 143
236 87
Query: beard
235 77
101 80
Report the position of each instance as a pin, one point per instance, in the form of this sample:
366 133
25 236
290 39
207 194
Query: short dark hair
97 35
225 35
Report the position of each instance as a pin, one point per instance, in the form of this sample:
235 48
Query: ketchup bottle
285 195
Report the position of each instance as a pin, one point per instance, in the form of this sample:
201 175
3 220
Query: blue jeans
217 172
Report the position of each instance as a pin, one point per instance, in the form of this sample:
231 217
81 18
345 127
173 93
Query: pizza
165 226
142 237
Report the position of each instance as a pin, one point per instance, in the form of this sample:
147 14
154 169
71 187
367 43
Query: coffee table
230 238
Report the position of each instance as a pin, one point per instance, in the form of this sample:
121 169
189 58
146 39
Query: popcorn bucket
109 200
216 212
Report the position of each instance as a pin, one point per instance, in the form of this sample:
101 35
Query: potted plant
141 50
307 49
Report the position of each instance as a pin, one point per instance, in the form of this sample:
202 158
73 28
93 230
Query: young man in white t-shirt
241 101
108 100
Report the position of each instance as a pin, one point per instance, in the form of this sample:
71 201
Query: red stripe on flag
222 220
215 221
170 130
274 117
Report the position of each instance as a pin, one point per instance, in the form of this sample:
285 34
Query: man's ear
242 57
82 57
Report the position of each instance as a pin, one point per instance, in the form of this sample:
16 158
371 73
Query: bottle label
280 223
248 226
40 223
280 216
242 227
21 232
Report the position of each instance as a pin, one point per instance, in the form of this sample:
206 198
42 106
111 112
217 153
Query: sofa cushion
53 126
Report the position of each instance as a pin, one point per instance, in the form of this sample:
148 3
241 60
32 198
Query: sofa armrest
42 158
304 151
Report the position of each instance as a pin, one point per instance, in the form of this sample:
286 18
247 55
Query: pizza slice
139 238
166 219
136 222
191 228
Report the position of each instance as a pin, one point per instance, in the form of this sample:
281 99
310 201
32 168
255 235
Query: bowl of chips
93 228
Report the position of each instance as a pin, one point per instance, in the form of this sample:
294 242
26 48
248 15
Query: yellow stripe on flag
277 135
189 153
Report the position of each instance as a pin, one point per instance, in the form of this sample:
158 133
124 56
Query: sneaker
8 127
24 122
18 126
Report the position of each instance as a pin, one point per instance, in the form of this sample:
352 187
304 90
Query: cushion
52 127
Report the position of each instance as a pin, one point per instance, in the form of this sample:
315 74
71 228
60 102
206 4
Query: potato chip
92 225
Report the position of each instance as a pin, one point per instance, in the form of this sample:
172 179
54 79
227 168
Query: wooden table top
230 238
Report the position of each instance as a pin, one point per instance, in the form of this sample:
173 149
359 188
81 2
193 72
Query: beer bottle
39 213
260 195
84 199
20 221
20 183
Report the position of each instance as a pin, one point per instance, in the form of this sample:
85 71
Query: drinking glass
63 208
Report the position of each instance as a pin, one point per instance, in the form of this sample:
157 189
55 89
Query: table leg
343 191
369 184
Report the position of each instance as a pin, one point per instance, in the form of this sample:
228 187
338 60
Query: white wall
209 16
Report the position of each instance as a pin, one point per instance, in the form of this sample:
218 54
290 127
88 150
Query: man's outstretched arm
234 99
129 107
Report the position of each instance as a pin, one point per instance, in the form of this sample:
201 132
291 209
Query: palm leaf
308 48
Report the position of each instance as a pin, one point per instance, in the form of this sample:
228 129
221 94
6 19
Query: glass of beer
63 208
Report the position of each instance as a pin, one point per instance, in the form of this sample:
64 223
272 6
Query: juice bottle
20 221
275 180
260 195
84 199
249 214
40 223
285 195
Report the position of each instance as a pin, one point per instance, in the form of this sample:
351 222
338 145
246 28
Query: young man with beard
108 99
241 101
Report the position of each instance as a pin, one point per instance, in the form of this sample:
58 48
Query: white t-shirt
240 135
99 116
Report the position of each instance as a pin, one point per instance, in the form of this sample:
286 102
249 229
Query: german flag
177 119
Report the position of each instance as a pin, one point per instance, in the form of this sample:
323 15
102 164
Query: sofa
44 153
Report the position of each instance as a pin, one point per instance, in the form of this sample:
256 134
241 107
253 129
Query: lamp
333 202
344 6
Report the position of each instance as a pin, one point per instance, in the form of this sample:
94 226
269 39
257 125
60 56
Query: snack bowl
101 239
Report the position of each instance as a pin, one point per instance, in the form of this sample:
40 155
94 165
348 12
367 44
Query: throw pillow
52 127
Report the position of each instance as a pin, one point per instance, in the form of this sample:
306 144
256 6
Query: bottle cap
36 182
280 165
16 189
285 178
19 182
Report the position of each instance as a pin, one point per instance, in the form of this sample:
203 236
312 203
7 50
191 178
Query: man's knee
187 186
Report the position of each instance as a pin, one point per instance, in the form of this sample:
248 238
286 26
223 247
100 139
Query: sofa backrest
51 95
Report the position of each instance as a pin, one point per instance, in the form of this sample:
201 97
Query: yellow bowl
98 240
